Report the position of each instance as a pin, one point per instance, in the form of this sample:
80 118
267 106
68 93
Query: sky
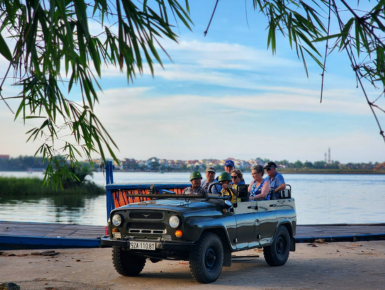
226 95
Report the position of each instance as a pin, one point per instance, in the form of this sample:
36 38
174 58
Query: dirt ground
357 265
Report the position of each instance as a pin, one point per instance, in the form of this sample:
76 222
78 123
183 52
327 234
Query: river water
320 199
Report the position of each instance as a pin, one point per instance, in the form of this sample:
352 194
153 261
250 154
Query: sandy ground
313 266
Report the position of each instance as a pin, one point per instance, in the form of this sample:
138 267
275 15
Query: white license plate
142 246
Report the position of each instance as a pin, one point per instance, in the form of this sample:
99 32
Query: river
320 199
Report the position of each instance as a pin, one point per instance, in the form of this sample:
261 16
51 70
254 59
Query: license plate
142 246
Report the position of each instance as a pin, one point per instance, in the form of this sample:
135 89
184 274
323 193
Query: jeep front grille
142 231
146 215
146 228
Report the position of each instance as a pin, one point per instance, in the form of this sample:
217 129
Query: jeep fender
289 226
198 226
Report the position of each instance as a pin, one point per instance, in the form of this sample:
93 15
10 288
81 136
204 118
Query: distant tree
319 164
298 164
308 164
154 165
284 163
333 165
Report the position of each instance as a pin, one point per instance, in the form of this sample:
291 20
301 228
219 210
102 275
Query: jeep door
267 220
246 217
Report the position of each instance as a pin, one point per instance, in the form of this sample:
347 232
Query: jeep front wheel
278 253
206 260
127 264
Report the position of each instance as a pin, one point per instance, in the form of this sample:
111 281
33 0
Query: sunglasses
233 177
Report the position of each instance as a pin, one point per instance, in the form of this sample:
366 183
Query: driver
195 188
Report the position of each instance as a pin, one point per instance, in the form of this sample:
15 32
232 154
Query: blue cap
229 163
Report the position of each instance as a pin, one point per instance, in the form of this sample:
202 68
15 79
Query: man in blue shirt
274 177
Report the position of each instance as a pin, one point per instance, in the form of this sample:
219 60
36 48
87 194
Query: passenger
237 177
195 188
211 185
276 179
228 189
259 188
229 166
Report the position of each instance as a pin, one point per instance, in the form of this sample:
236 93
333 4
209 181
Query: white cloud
193 126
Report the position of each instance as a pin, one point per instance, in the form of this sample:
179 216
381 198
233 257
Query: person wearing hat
229 165
211 185
195 188
227 188
274 177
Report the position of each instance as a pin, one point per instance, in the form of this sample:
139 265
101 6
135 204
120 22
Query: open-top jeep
199 229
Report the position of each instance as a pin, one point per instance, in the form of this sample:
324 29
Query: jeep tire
278 252
206 260
127 264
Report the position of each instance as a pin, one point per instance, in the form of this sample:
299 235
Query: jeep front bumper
166 246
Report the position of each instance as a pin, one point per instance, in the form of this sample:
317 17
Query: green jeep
203 230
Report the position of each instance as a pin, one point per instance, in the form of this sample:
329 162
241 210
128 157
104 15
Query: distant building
4 157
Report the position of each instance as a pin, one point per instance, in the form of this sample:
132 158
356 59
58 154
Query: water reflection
58 209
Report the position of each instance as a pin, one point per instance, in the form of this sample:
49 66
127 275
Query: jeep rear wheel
278 253
206 260
127 264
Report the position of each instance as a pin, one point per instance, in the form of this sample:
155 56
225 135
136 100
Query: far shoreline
286 171
281 170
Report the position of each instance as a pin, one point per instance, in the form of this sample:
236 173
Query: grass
10 186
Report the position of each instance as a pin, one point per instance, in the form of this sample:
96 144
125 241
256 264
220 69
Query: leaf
4 50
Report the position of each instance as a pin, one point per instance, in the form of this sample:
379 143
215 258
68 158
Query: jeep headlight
174 221
117 220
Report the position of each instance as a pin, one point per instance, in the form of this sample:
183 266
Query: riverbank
311 266
13 186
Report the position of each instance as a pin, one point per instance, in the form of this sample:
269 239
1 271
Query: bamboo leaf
4 50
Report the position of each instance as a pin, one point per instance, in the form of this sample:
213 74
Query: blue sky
226 95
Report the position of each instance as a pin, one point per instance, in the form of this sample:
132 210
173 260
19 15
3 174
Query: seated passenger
228 189
275 178
230 166
211 185
237 177
259 188
195 188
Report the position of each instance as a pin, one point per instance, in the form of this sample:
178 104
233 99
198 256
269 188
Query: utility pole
325 158
329 156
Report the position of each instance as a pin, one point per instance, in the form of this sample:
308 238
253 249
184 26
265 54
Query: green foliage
297 21
12 186
53 35
67 174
